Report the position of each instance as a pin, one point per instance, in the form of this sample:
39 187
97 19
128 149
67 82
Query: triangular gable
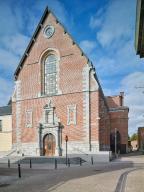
32 41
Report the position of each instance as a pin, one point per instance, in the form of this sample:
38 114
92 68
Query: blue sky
104 29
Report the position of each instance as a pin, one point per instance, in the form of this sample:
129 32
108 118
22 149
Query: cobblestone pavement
125 174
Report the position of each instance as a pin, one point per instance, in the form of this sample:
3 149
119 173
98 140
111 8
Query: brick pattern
119 117
114 101
119 120
141 138
77 86
104 124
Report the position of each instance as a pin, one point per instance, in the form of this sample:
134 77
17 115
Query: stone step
41 160
13 159
60 160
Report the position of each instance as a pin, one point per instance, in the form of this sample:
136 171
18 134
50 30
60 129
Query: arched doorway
49 145
112 141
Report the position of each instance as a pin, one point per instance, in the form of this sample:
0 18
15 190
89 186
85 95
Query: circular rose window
49 31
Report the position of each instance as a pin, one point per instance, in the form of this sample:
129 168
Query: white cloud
106 65
95 22
8 21
118 22
15 43
97 19
8 60
56 6
134 99
107 92
87 46
116 35
17 22
120 61
6 88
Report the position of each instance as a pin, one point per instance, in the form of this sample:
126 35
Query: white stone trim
18 114
53 131
72 108
30 112
75 147
18 90
42 58
49 50
18 123
86 102
95 86
52 31
53 128
30 149
14 93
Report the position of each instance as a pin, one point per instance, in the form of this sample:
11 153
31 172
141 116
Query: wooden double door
49 145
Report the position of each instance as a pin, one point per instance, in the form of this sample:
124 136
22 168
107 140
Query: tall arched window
50 74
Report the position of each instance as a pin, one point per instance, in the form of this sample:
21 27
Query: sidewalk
135 181
123 173
102 182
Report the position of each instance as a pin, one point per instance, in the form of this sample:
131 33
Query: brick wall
119 120
104 125
70 82
141 138
77 86
115 101
119 117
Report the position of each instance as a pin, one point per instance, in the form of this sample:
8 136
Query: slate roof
6 110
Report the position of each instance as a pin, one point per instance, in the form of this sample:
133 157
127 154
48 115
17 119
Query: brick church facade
57 94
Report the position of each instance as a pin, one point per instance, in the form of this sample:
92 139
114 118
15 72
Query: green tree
134 137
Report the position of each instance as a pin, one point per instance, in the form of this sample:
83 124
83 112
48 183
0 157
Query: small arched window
50 74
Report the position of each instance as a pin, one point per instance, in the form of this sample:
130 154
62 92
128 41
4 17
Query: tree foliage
134 137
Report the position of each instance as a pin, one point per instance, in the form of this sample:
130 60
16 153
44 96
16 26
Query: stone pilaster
86 103
18 115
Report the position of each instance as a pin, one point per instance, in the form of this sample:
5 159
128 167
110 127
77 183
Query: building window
0 125
50 75
49 117
71 114
29 118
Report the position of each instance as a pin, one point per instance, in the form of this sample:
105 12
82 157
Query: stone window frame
43 57
1 127
29 111
50 74
47 111
73 108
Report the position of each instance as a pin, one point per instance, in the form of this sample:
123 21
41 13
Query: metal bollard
8 163
80 162
55 163
19 170
68 162
30 163
92 160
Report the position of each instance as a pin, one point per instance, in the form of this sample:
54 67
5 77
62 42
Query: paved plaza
125 174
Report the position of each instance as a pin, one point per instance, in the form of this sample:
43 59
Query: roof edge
32 40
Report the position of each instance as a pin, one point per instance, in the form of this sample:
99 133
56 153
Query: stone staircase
13 159
41 160
8 153
60 160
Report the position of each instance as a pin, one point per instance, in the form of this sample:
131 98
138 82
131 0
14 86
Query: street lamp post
115 142
66 140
